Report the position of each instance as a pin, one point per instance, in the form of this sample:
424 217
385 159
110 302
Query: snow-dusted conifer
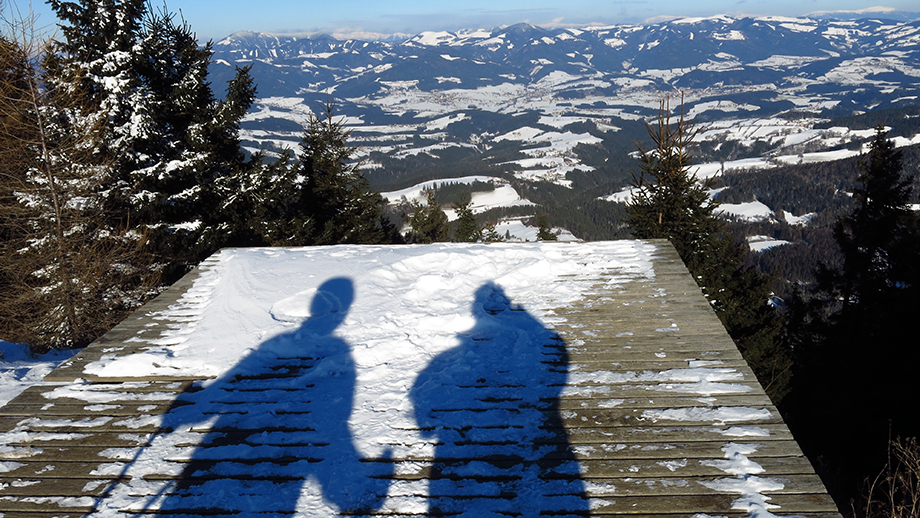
173 148
467 230
337 198
429 223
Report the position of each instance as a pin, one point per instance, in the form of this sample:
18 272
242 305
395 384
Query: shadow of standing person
280 421
491 406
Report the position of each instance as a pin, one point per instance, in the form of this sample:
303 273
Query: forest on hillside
823 192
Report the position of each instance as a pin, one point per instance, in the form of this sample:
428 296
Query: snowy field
503 195
761 243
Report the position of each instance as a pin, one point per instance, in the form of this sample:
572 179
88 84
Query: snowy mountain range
552 92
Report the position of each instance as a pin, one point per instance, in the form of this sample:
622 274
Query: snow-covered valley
554 105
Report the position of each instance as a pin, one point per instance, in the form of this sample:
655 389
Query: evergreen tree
122 166
192 161
862 297
671 202
337 201
428 222
468 230
269 208
490 235
872 236
855 353
545 233
172 148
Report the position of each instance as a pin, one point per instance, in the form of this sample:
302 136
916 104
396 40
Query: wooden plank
706 433
708 504
59 506
715 504
626 354
85 409
681 452
143 323
86 440
155 390
42 514
613 470
661 398
79 424
63 469
46 487
581 436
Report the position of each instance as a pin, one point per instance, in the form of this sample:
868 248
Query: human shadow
492 406
280 418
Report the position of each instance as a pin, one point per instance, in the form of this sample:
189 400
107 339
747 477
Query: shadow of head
333 297
330 305
491 298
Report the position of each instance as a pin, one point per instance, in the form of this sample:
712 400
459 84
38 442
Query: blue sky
214 19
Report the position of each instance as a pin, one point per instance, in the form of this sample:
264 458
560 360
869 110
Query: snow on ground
523 134
750 211
795 220
903 141
711 169
19 368
554 159
558 142
623 196
504 195
444 122
560 122
247 296
429 150
761 243
516 230
379 324
725 106
417 192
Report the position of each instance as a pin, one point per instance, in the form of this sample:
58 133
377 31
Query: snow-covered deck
556 379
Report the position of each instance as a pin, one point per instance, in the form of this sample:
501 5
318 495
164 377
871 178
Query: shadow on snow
280 419
492 403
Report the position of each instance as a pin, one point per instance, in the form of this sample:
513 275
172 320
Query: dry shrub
895 492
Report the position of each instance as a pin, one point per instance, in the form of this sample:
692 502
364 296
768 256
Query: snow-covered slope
551 93
510 68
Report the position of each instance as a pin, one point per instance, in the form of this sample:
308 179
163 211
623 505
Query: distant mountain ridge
885 13
561 103
683 53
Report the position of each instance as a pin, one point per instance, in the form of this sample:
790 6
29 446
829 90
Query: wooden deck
675 425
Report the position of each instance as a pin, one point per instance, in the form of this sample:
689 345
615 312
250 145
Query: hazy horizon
364 19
